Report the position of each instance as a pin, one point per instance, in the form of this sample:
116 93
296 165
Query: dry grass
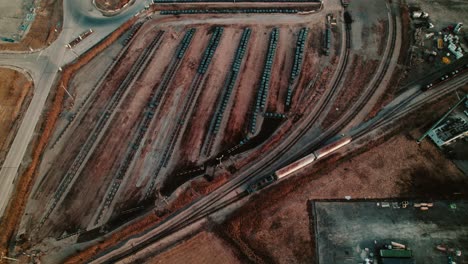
202 248
42 32
390 167
14 89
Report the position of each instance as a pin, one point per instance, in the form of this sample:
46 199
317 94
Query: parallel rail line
140 132
206 206
84 152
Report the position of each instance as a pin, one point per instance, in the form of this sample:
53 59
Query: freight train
297 165
445 77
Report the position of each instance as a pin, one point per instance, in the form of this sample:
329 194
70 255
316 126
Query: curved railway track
355 110
206 207
213 204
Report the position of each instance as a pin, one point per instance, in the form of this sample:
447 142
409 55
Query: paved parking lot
344 228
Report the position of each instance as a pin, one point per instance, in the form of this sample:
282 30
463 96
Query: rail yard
173 123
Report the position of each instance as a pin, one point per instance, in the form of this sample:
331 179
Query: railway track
187 106
224 96
167 79
392 114
99 83
150 111
355 110
175 133
204 207
396 112
141 130
98 130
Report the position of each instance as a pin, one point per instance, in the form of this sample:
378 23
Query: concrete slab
345 228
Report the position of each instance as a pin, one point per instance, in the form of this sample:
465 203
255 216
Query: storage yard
200 130
188 84
345 229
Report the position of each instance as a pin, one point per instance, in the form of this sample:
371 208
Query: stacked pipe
133 31
223 1
209 52
274 115
212 45
298 57
153 102
228 11
185 43
265 81
232 77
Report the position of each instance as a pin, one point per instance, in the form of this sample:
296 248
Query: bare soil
282 66
83 199
247 87
204 247
48 18
22 191
15 94
111 5
360 73
277 218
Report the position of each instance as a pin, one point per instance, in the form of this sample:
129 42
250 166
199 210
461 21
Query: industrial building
452 126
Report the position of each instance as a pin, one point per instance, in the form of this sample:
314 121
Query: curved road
43 66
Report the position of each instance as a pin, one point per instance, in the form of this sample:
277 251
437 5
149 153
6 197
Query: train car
261 183
443 78
345 3
295 166
320 153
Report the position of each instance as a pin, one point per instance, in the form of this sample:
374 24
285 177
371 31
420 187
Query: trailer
327 41
328 149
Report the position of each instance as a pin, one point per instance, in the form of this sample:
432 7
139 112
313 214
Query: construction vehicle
457 28
8 39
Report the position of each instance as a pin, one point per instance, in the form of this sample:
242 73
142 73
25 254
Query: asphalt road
43 66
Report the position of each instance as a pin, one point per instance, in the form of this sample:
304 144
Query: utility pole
7 258
67 92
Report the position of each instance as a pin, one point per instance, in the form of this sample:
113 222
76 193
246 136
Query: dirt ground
275 223
344 229
246 90
111 5
10 221
82 200
354 87
12 16
443 12
42 31
15 94
204 247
